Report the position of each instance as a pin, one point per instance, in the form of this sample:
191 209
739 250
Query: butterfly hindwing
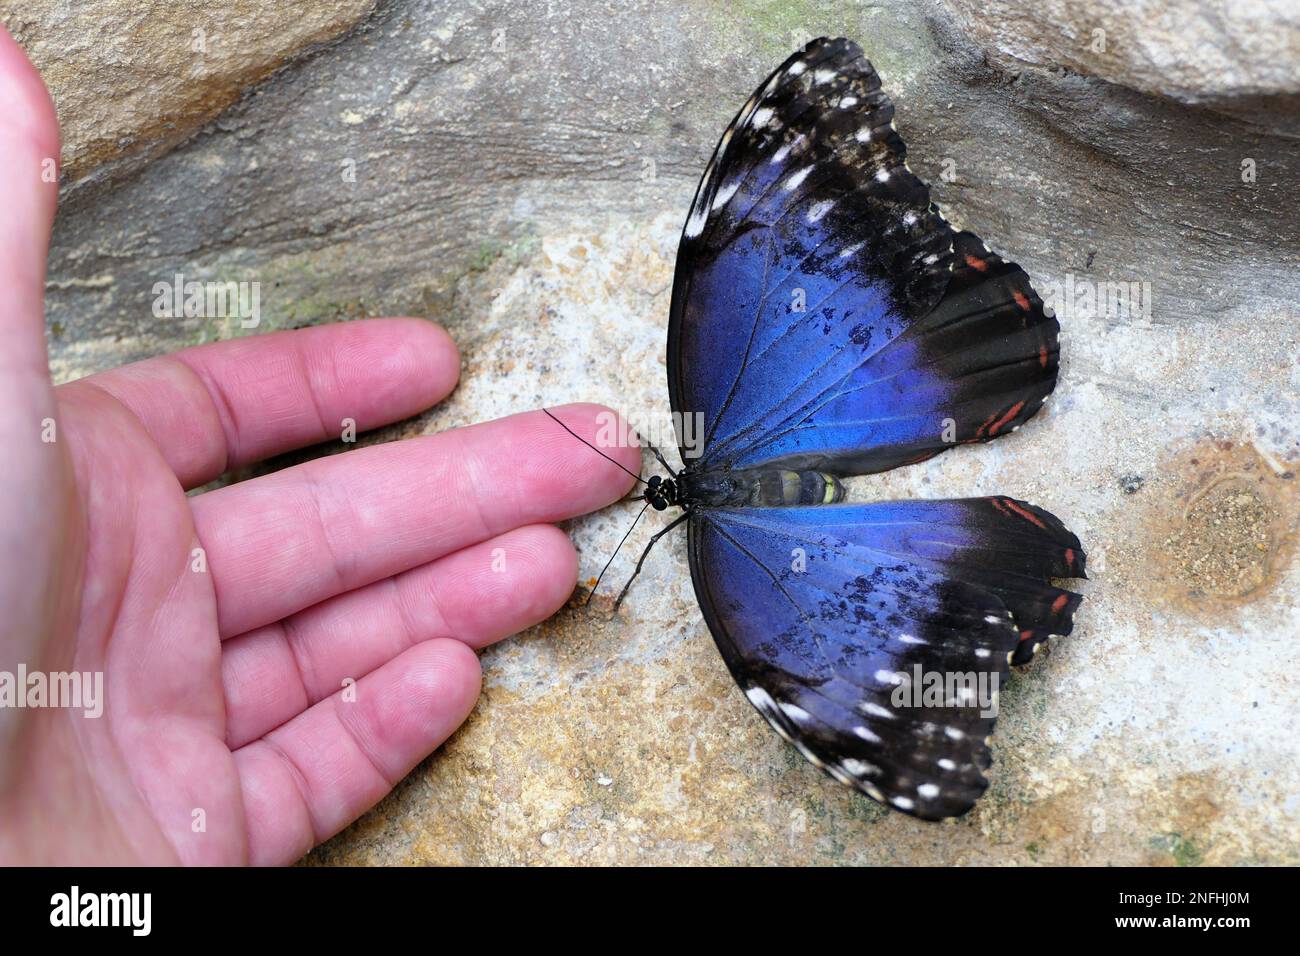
824 314
832 620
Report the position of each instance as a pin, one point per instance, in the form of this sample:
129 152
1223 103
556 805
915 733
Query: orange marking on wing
1027 515
1011 413
1026 635
998 504
974 263
1069 558
1021 299
1059 603
1042 356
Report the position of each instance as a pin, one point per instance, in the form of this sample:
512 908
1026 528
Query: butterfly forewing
824 314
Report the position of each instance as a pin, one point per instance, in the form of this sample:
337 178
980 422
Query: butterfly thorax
756 488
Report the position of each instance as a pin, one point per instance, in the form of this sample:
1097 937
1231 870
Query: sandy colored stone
132 78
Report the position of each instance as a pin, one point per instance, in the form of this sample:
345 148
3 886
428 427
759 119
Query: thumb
29 156
36 519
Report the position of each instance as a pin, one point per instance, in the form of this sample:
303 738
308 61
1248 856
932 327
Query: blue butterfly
826 321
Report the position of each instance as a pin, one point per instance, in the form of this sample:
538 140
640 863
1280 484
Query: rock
131 79
521 172
1240 56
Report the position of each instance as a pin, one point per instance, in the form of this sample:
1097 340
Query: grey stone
1241 56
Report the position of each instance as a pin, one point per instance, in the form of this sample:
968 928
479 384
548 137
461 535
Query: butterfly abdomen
761 488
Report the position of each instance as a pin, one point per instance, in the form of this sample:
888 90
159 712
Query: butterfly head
661 492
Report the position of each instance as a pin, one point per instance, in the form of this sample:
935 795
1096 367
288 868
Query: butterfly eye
654 482
659 504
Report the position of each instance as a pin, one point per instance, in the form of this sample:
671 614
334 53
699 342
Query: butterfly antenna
655 451
594 448
592 592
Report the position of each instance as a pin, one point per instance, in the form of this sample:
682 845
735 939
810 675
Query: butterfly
827 321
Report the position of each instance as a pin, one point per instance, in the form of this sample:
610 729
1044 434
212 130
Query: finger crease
299 784
293 640
221 404
325 432
359 741
315 496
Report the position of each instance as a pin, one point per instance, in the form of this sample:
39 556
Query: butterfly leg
644 554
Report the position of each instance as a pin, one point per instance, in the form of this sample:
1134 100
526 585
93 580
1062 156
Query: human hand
227 626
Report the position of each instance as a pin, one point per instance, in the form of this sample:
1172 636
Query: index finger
286 541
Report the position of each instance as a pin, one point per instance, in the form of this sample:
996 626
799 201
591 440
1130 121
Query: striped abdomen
761 488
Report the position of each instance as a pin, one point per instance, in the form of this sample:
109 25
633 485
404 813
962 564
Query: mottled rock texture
520 172
1240 55
132 78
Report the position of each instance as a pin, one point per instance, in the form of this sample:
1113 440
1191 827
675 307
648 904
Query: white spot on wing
820 209
793 712
946 764
784 151
866 734
725 193
760 698
695 224
874 709
795 179
903 803
860 768
928 790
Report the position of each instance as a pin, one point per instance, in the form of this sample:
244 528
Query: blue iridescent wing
830 617
824 314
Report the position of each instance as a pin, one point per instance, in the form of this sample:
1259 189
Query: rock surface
131 79
1192 50
521 171
1238 55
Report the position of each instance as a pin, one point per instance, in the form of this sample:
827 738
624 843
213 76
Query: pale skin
228 671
